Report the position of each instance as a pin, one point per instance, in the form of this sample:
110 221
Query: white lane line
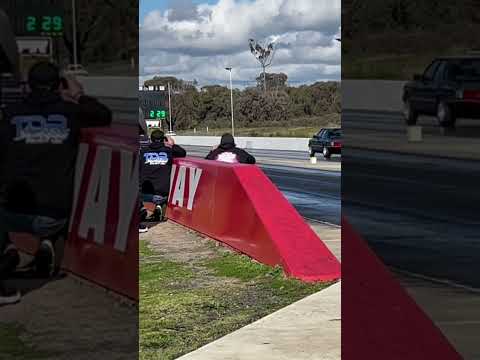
445 282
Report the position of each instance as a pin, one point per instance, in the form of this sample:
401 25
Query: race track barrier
239 206
102 246
384 322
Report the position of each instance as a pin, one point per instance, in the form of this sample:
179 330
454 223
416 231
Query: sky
197 39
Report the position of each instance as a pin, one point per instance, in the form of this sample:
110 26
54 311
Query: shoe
158 213
8 296
143 214
45 259
142 228
9 260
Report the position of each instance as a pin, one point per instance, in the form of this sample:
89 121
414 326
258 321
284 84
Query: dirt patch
69 319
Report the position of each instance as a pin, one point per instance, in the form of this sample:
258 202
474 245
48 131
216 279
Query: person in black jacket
156 166
228 152
39 140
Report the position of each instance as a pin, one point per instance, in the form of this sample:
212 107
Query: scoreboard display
157 114
43 25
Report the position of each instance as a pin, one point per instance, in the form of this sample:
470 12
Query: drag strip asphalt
315 193
420 214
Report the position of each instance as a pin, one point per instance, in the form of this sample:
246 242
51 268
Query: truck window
429 73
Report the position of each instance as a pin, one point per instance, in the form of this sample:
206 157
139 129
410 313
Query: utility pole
229 69
74 26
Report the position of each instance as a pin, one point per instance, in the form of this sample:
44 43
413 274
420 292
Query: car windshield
464 69
336 134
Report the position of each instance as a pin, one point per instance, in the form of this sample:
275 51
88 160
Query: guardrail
267 143
376 95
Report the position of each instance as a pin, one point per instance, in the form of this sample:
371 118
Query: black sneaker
158 213
142 228
8 296
45 259
9 260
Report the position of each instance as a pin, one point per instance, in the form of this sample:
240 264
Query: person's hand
169 141
73 90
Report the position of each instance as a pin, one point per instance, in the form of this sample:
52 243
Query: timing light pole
229 69
74 28
170 109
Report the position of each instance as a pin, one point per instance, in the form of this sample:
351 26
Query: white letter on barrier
195 174
79 171
128 197
96 201
179 189
172 176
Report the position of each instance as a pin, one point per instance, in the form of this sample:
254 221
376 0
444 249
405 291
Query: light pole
170 109
74 26
229 69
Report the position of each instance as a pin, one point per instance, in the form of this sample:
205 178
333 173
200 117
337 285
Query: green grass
12 346
304 128
302 131
271 279
390 66
184 306
239 267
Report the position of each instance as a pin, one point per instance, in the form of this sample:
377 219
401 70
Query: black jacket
156 165
39 140
231 154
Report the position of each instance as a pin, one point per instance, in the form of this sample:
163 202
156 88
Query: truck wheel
326 153
410 114
445 116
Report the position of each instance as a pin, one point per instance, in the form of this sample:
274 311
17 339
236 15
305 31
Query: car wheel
409 113
312 152
445 116
326 153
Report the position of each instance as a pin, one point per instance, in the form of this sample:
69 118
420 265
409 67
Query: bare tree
264 56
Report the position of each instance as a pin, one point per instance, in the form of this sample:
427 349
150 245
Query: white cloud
197 41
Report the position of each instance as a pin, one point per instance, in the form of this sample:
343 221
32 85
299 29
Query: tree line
281 105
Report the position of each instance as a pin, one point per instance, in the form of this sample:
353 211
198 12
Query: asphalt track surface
420 214
314 193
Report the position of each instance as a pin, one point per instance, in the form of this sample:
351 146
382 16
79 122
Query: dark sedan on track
448 89
327 142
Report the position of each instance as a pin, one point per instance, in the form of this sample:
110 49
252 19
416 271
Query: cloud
197 41
182 10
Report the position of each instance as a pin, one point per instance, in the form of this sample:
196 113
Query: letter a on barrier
128 197
179 188
96 200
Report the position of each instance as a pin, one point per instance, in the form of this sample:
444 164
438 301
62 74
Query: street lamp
74 26
229 69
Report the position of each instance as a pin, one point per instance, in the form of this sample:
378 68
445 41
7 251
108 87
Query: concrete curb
308 329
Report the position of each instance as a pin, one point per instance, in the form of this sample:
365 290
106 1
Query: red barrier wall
239 206
103 238
384 322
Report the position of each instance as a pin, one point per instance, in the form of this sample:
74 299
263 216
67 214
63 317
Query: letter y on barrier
172 177
195 175
179 188
95 208
128 197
